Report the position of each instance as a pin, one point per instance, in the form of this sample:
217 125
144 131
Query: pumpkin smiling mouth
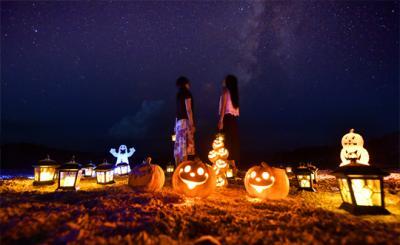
261 188
192 184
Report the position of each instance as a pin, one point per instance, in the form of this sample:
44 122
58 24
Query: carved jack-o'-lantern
194 179
147 177
263 181
353 149
218 156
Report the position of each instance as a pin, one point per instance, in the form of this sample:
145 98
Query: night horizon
90 76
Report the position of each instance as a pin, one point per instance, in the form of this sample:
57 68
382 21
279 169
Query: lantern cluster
361 185
265 182
218 156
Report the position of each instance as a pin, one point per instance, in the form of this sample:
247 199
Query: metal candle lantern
170 168
361 188
105 174
304 178
88 170
122 168
69 175
45 171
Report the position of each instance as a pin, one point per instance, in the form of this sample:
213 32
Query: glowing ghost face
260 178
193 174
122 149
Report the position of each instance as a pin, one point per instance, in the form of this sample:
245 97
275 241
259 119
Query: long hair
231 84
181 82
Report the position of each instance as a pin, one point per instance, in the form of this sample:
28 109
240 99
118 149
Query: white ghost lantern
122 157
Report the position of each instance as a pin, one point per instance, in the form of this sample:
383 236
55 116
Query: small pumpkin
263 181
147 177
194 179
223 153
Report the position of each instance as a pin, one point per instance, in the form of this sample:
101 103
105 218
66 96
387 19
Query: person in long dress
184 148
228 118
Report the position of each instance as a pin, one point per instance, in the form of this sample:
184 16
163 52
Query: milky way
78 74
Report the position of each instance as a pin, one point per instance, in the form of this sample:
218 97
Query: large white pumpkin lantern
45 171
69 175
353 148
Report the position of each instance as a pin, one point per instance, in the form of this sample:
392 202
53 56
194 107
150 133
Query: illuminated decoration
45 172
353 148
170 168
69 175
265 182
122 169
194 179
173 137
305 178
218 156
288 170
88 170
122 159
229 173
361 188
314 170
147 177
105 173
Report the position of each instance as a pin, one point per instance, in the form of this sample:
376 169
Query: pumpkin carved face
194 179
213 155
264 181
352 139
353 149
147 177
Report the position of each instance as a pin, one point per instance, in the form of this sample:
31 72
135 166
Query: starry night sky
90 75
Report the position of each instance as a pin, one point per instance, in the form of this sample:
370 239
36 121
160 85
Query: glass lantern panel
304 181
364 191
67 178
100 177
124 169
78 180
109 176
47 174
37 173
344 190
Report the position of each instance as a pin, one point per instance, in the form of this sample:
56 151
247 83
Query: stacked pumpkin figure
218 156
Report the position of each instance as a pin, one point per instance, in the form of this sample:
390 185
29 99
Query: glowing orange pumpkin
194 179
147 177
263 181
